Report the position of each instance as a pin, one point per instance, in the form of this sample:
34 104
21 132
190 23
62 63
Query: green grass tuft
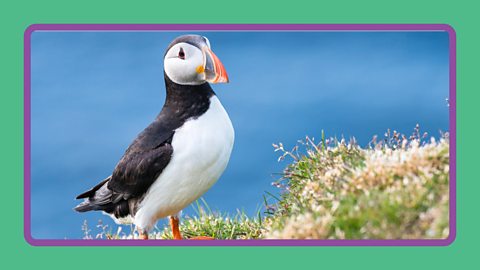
217 225
205 223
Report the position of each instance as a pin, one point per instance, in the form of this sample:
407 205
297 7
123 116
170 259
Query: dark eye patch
181 54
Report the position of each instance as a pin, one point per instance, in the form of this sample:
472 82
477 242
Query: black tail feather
84 207
100 198
91 192
97 198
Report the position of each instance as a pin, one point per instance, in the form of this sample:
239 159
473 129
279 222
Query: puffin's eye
181 54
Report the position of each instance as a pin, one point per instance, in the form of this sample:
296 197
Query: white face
184 64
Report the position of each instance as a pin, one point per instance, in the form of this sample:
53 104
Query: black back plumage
149 154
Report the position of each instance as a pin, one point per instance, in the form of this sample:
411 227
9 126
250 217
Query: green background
15 17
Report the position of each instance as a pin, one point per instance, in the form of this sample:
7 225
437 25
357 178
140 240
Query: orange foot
143 236
178 236
202 238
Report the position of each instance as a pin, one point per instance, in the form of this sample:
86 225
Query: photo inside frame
338 134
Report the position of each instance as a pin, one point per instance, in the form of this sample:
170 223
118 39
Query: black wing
141 164
149 154
143 161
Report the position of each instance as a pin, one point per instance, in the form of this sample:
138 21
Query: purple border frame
239 27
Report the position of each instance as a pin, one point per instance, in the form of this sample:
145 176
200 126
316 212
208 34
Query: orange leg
143 235
175 230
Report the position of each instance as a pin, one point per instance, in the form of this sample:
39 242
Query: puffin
180 155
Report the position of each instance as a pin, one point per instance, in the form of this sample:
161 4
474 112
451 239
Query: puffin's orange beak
214 70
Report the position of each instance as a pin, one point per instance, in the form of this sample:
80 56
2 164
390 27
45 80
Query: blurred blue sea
93 92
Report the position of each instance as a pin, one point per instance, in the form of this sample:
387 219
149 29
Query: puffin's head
190 61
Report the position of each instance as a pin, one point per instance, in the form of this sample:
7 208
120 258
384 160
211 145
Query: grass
396 188
217 225
205 223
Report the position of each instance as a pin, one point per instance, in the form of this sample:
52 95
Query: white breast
201 150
